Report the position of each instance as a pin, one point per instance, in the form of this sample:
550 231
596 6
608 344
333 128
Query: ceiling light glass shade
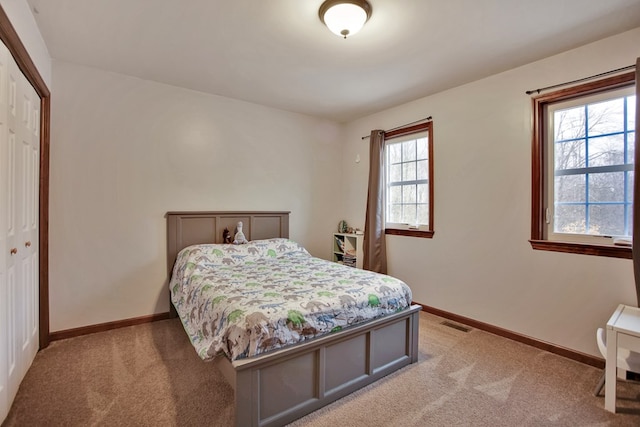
345 18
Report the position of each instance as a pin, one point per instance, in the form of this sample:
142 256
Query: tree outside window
409 181
583 166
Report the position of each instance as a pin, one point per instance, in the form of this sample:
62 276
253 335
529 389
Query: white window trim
400 140
551 235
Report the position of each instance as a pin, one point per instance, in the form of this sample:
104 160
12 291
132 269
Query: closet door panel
19 207
4 249
27 129
15 267
12 302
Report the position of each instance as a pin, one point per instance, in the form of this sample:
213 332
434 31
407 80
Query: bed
275 383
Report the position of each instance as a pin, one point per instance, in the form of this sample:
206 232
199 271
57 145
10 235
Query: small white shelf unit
347 249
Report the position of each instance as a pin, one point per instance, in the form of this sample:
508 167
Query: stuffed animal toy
226 235
239 238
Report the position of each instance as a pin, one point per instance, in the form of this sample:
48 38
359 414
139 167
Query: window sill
411 233
583 248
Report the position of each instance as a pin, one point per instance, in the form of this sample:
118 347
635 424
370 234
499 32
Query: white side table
623 331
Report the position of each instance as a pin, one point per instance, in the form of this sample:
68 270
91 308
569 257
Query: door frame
10 38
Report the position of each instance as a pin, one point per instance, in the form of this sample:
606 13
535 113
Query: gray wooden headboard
192 228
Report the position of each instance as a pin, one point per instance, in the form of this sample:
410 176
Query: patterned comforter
243 300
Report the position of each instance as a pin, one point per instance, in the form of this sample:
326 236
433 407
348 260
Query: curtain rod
426 119
606 73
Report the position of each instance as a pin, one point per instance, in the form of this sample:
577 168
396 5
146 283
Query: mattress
244 300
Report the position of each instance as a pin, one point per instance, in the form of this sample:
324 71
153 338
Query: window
583 147
409 181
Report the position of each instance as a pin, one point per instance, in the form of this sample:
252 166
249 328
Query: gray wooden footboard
281 386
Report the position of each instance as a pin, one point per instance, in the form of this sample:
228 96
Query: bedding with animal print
244 300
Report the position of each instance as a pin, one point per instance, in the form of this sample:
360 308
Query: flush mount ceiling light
345 17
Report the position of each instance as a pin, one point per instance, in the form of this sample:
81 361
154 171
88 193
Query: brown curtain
636 195
374 246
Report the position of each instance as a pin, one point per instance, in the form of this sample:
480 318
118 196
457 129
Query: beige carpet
149 375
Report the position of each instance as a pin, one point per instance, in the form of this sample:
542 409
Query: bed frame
277 387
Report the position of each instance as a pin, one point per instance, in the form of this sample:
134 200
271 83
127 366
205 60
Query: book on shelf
349 259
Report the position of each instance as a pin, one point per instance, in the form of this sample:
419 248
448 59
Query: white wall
23 22
124 151
479 263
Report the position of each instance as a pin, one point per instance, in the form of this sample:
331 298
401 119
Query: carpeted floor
149 375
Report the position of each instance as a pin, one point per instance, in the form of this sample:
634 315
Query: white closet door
19 140
5 326
27 125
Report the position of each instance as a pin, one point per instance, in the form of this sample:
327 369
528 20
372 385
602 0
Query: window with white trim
408 181
591 181
583 168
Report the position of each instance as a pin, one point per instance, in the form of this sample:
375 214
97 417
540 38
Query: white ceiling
278 53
